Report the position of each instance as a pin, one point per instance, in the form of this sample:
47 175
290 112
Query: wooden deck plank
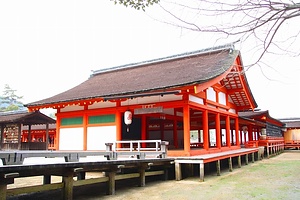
216 156
207 158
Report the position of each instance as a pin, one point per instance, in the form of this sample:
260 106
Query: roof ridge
229 46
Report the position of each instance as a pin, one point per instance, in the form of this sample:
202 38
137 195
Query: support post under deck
230 164
239 161
178 174
201 170
218 164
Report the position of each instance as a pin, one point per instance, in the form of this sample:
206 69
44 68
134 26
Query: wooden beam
228 131
246 159
33 189
118 125
19 135
237 133
186 128
201 170
142 182
3 189
47 136
111 183
230 164
239 161
178 174
190 169
68 186
6 179
47 179
91 181
85 127
218 165
218 131
144 130
205 130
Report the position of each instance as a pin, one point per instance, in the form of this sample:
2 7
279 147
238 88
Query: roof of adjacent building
262 116
25 118
291 122
155 75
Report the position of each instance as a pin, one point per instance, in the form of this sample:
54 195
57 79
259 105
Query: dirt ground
274 178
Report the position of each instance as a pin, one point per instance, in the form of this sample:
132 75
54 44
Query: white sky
47 47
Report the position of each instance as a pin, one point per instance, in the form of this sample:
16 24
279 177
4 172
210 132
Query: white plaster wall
232 110
211 94
222 98
98 136
196 99
71 139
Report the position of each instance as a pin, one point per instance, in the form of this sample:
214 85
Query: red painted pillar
175 134
218 131
118 124
241 135
162 129
85 125
186 128
250 133
144 130
228 132
237 132
205 130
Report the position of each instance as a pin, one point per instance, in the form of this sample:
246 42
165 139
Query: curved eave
238 88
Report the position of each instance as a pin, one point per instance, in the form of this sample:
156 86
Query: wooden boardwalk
207 158
137 167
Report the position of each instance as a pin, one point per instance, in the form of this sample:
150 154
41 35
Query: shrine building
191 100
291 133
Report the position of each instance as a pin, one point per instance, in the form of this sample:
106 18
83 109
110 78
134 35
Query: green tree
9 93
11 107
10 101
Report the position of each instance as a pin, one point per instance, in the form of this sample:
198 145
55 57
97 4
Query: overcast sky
47 47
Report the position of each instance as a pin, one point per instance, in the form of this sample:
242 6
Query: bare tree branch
261 19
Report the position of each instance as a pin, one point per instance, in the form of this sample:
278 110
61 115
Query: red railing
251 144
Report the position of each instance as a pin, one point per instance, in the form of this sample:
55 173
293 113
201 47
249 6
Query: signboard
147 110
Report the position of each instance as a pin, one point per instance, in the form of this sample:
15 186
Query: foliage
137 4
11 107
10 101
10 93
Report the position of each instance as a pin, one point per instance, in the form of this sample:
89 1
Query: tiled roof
291 122
258 115
25 118
150 76
253 114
